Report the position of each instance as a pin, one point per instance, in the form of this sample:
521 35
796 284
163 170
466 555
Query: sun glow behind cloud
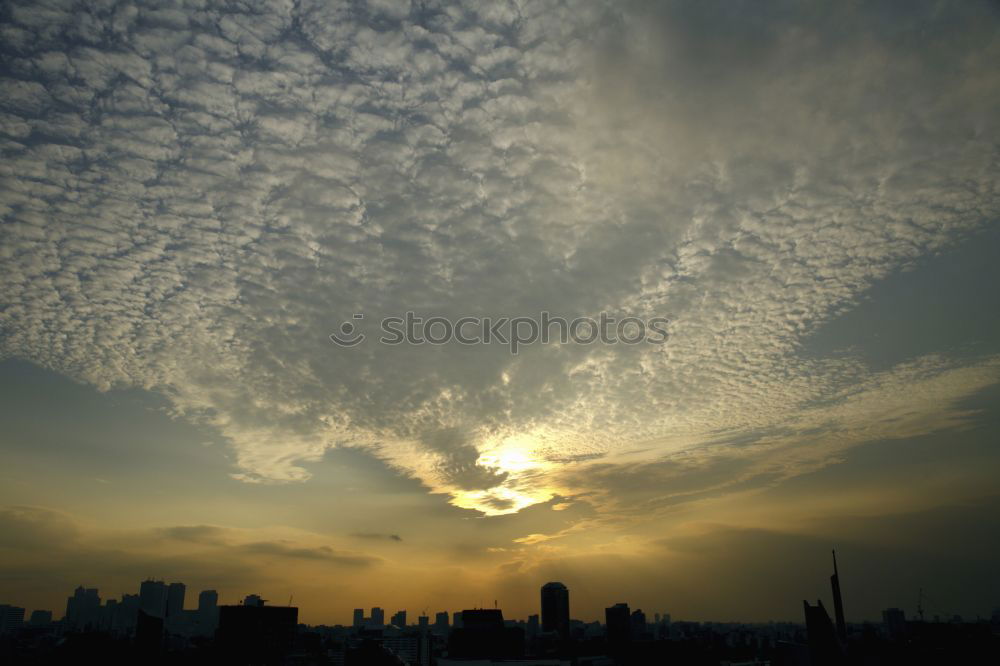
516 458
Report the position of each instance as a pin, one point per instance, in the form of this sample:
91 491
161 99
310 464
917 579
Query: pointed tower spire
838 602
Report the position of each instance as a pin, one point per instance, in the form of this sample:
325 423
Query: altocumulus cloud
195 196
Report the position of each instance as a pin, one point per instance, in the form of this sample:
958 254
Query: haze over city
200 201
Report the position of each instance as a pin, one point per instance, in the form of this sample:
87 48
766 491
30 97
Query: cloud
196 533
193 200
235 541
376 536
30 527
325 553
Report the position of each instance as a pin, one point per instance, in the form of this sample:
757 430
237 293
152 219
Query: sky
194 196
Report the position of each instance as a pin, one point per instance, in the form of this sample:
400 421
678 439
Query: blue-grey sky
194 196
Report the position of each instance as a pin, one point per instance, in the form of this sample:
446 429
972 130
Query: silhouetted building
378 617
123 616
109 611
838 603
253 600
255 633
485 636
83 609
40 618
824 647
148 632
618 621
208 611
208 600
456 619
441 623
423 622
412 647
895 623
637 624
373 652
11 618
175 601
399 619
534 626
359 617
555 609
153 598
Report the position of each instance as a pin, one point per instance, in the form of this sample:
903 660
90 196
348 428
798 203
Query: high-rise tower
838 602
555 609
175 600
153 598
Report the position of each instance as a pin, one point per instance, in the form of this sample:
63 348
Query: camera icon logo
348 336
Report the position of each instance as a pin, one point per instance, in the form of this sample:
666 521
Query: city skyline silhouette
155 626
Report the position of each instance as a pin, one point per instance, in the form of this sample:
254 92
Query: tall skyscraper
83 608
359 617
441 623
378 617
824 648
153 598
399 619
127 613
208 600
838 602
208 611
175 599
638 622
618 620
555 609
895 623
